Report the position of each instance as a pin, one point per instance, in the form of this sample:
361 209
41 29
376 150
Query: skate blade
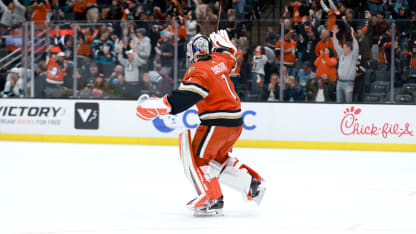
210 213
259 197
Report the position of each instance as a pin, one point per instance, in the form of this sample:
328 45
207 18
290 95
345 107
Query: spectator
299 11
315 12
85 40
364 42
271 38
325 42
79 8
88 76
271 65
271 91
103 48
13 87
118 86
92 11
206 19
13 14
239 6
145 86
181 36
289 57
190 23
308 45
332 12
349 20
166 53
40 12
292 91
143 48
326 65
114 12
67 47
131 66
348 57
161 83
402 25
235 74
321 89
57 69
257 71
132 11
412 65
379 27
305 74
385 56
99 88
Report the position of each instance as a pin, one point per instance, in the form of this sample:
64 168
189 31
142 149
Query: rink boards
266 125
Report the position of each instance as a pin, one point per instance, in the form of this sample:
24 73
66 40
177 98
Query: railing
96 65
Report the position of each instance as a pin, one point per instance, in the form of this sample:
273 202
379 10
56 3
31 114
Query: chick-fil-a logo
350 126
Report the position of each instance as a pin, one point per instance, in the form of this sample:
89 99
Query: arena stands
108 49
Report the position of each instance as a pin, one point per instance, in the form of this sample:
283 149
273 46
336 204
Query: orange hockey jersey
219 104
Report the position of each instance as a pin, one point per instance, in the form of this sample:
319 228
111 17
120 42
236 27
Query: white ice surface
48 188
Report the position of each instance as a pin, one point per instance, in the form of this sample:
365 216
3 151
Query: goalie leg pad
205 182
240 177
234 177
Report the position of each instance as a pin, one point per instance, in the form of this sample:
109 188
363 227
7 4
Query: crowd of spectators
334 50
125 47
341 51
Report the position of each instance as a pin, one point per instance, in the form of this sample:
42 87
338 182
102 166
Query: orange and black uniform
289 58
40 13
208 85
321 46
329 67
56 71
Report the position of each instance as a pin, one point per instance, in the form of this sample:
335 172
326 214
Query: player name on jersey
219 68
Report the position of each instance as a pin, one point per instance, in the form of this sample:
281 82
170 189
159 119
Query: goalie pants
214 143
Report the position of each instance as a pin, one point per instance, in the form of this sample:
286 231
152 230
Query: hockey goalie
206 159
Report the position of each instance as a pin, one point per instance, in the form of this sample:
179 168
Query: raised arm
338 48
3 6
332 5
324 7
355 49
318 60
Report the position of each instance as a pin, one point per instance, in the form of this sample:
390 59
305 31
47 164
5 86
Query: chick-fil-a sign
351 126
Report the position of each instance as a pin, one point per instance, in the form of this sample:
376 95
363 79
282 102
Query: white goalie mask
199 45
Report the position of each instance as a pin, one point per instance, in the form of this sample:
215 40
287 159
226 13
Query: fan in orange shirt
289 56
40 12
326 64
325 42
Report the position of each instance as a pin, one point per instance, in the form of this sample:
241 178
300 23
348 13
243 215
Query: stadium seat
403 98
382 75
380 87
410 86
374 98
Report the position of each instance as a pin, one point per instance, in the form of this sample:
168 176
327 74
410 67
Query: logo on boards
86 115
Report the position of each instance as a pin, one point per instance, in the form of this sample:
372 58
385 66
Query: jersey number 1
229 87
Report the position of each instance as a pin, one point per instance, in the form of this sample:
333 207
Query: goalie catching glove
149 108
220 40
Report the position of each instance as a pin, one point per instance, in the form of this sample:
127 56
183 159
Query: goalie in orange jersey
206 162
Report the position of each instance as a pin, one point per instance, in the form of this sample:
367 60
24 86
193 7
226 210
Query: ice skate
257 190
210 208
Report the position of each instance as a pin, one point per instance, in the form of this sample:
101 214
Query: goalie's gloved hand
149 108
221 41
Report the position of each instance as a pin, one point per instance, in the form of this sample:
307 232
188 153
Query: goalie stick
219 16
